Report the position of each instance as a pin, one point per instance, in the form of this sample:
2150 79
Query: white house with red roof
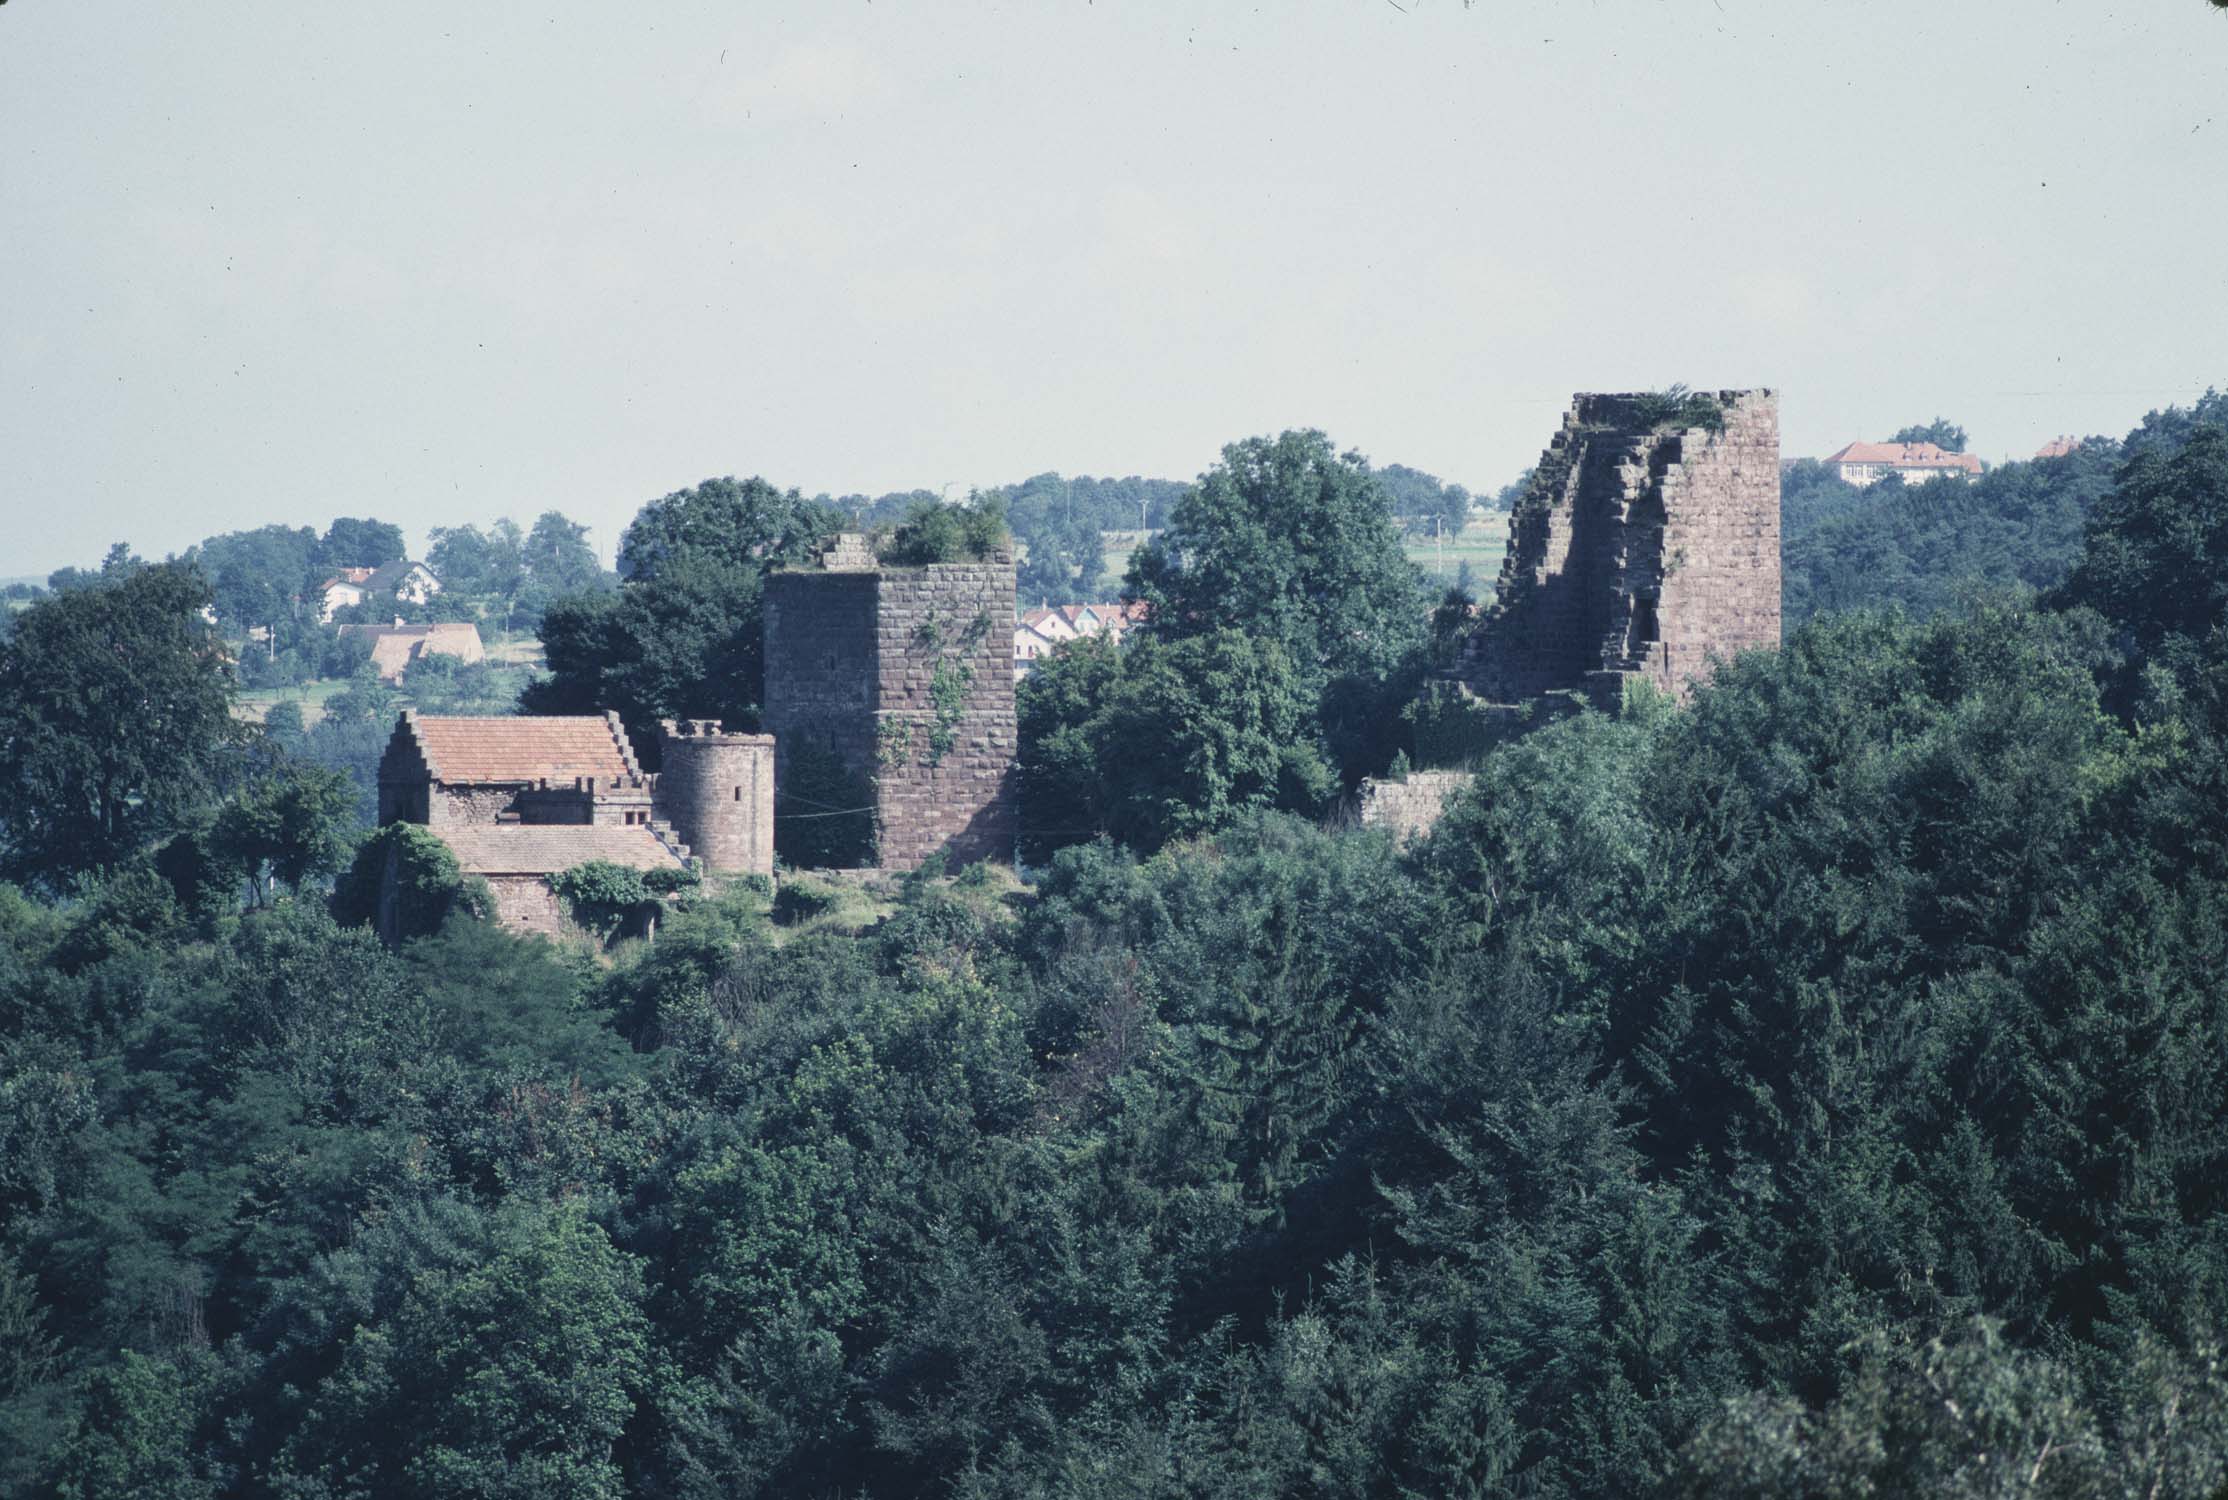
1038 631
1869 463
400 579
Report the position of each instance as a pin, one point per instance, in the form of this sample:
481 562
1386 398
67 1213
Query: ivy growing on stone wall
950 680
948 687
893 743
602 897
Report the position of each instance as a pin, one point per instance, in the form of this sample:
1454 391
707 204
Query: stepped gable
548 848
1645 548
513 751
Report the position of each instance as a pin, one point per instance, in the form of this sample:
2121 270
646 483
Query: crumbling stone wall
905 675
1410 807
525 903
1641 550
464 805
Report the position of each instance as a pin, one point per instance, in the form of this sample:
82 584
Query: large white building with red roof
1869 463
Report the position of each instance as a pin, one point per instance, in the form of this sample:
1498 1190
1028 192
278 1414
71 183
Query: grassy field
1480 544
1118 545
524 651
254 704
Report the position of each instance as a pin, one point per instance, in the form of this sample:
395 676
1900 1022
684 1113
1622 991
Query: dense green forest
1819 1089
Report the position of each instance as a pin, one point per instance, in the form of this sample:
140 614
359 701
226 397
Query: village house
401 579
1869 463
1037 631
394 647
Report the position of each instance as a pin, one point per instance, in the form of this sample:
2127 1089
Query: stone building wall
1639 551
820 667
718 791
621 804
451 806
1410 808
525 903
945 732
1721 579
904 675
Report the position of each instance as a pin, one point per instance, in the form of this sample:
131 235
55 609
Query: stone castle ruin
518 800
1647 547
1645 550
900 679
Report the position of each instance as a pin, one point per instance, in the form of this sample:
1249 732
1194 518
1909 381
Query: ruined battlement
1647 547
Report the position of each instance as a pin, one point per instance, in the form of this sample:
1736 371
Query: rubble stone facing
1411 807
525 903
1636 553
718 790
905 675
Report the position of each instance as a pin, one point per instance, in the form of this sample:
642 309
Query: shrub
801 900
671 880
600 896
427 885
934 532
1678 407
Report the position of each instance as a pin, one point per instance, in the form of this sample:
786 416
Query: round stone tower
717 790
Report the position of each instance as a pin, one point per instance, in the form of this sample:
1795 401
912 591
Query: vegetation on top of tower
934 531
1678 407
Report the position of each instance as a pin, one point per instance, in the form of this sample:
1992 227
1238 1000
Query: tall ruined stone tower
1647 546
904 676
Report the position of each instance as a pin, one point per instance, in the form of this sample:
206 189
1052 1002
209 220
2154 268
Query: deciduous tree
115 722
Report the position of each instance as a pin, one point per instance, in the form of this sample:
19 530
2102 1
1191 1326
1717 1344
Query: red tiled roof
546 848
1905 456
2058 447
467 751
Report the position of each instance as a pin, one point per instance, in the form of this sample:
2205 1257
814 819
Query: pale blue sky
440 263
